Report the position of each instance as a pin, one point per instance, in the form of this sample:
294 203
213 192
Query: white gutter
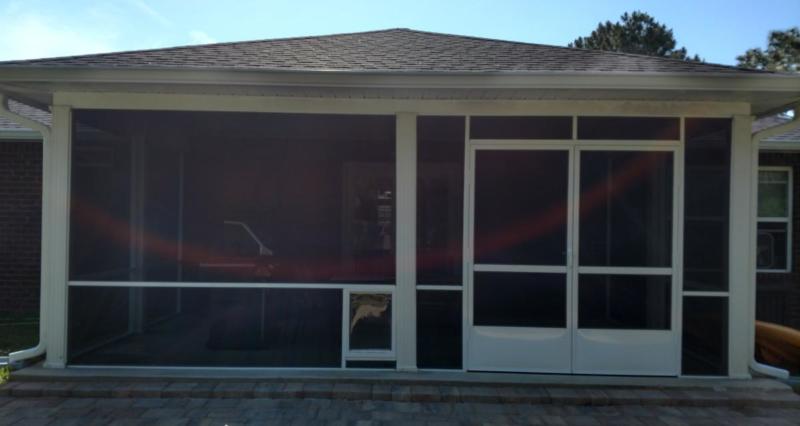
570 80
768 370
19 135
40 347
764 369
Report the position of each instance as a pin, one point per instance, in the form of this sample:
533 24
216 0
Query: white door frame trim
572 268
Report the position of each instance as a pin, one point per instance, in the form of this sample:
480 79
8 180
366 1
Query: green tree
637 33
782 54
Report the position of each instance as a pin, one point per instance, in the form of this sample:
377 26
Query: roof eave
407 79
19 134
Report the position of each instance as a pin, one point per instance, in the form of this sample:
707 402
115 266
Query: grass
17 331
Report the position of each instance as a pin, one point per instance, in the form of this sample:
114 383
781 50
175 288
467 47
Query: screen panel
629 128
521 207
628 302
439 324
706 204
626 208
440 199
520 127
510 299
232 197
705 336
213 327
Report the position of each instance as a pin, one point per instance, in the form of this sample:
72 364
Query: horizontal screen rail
546 269
440 287
623 270
161 284
691 293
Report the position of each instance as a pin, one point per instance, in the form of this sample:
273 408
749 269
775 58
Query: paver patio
98 396
264 411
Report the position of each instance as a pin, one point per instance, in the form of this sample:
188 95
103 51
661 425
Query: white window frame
787 219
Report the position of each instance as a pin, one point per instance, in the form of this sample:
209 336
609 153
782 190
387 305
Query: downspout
44 130
764 369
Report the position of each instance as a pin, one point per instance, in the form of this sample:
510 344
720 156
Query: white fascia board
241 103
785 146
19 135
488 80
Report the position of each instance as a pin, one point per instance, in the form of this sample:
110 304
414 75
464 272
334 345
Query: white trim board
183 102
21 135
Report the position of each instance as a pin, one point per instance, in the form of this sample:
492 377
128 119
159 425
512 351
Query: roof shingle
777 120
392 50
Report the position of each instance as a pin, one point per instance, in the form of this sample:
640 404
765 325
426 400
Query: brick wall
20 225
778 294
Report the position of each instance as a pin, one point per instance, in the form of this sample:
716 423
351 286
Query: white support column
55 229
406 233
741 303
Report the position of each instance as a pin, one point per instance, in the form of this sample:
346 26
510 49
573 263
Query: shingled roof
35 114
776 120
392 50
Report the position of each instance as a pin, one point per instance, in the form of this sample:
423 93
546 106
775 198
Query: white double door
572 259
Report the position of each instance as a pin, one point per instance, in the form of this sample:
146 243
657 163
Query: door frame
574 147
673 271
469 221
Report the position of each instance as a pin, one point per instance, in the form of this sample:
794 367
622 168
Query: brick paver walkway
263 411
223 402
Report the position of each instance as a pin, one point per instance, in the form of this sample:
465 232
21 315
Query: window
774 219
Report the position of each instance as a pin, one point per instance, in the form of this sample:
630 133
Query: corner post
406 234
55 231
741 301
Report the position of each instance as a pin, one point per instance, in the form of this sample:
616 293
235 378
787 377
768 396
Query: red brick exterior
778 294
20 225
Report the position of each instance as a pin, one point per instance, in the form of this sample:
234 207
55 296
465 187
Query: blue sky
717 30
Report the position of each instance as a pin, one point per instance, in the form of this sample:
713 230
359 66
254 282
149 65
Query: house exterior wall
778 293
20 225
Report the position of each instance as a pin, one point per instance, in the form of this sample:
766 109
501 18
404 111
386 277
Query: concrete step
471 393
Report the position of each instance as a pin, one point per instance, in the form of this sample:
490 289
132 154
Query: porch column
741 301
55 226
406 232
